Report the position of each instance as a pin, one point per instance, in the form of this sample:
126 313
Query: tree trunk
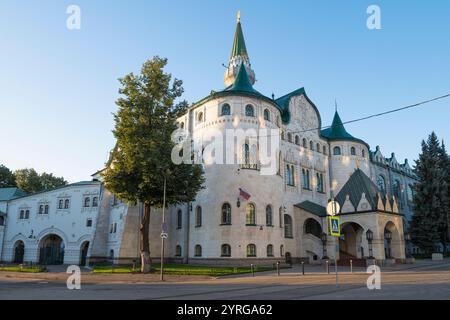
144 229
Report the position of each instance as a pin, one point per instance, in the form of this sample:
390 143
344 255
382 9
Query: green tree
141 159
30 181
444 222
7 177
426 222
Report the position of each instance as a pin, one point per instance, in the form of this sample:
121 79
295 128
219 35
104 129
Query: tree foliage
429 224
7 177
141 160
30 181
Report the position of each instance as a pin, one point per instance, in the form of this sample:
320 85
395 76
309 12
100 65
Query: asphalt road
425 280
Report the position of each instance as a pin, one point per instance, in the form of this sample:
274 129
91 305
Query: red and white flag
243 194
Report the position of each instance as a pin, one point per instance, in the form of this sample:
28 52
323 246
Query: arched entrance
51 250
84 252
350 242
392 241
19 251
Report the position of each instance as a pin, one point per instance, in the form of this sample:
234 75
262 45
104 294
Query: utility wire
377 114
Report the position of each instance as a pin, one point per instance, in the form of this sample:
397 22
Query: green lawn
35 269
183 269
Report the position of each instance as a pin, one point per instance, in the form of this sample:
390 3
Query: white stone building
284 218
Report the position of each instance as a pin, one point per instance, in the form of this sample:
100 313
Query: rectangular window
89 223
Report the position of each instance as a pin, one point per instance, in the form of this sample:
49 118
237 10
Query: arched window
363 152
318 147
2 220
198 216
289 135
278 121
269 217
87 201
182 125
304 143
270 250
381 183
95 201
27 214
353 151
324 149
41 209
313 227
226 110
306 179
397 189
297 140
46 209
319 186
290 175
280 216
61 204
311 145
337 151
282 135
288 226
111 254
250 217
226 214
249 110
22 214
178 251
179 219
200 117
282 251
66 204
266 115
246 154
225 250
251 250
410 192
198 250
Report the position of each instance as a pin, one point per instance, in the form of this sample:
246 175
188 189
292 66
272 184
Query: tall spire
238 56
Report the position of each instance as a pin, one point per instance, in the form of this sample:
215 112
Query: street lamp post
324 244
407 240
369 236
163 223
388 237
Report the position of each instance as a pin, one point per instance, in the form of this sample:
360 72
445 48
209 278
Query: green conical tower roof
239 48
337 130
242 82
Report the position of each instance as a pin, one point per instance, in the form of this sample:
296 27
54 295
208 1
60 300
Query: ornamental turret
238 56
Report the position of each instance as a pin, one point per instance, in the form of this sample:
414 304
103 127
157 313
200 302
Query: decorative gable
347 207
364 205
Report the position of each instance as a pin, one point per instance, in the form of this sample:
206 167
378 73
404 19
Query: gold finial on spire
239 16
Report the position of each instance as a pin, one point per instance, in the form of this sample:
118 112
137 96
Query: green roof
242 82
357 184
313 208
10 193
337 131
239 48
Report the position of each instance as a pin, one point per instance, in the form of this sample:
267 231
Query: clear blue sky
58 87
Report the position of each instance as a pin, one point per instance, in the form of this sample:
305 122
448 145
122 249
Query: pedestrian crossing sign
335 226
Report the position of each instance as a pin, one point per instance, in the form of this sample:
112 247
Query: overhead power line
379 114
